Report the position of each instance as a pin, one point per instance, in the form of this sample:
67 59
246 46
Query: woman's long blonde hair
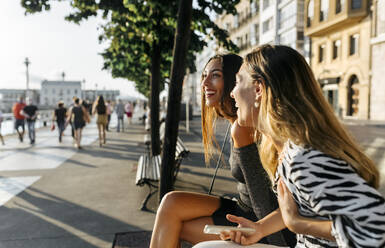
226 108
293 107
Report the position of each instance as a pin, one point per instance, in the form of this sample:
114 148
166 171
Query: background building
9 96
54 91
340 35
91 95
377 91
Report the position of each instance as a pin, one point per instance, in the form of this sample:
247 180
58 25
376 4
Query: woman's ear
258 89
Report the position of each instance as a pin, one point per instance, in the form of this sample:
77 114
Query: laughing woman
326 185
183 215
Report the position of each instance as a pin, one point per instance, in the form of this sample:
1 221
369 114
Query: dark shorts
19 123
235 208
231 207
78 125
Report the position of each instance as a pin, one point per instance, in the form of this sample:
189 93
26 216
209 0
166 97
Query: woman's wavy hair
100 105
226 108
293 107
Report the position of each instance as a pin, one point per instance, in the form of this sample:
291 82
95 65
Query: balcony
338 16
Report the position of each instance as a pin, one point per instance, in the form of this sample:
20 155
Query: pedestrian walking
100 109
128 109
59 115
109 112
30 112
79 116
19 118
119 109
1 121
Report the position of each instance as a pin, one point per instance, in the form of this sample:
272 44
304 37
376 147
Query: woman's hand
288 207
239 237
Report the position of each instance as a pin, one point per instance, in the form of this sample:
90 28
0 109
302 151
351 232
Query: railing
43 119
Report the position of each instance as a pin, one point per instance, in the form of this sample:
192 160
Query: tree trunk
182 38
154 107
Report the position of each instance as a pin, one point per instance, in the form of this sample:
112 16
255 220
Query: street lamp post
27 63
84 89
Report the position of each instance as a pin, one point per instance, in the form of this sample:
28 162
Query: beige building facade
377 92
340 32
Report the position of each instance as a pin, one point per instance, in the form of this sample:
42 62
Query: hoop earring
256 104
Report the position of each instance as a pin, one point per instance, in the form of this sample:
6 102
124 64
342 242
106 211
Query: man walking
19 118
30 112
120 114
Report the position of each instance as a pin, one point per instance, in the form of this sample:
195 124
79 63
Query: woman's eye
216 75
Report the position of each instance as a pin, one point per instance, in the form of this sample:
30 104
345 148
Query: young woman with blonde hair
325 183
183 215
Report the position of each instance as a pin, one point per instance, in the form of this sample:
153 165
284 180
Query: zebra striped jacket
326 188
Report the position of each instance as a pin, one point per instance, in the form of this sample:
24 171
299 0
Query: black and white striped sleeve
331 188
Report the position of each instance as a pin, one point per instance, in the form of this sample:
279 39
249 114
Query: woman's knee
171 203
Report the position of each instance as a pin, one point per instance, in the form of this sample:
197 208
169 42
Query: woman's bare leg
192 231
104 127
79 136
175 212
100 133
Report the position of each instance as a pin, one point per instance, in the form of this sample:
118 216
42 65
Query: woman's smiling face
213 83
244 94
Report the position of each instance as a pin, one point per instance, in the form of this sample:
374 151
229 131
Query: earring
256 104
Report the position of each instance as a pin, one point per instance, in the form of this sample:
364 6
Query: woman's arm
297 223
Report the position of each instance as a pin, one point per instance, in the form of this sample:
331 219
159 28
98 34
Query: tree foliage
133 26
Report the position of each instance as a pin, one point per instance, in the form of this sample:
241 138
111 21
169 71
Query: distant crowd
77 115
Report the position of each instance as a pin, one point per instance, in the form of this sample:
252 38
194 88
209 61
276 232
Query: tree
182 38
139 34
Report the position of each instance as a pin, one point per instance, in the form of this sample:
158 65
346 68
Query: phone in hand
214 229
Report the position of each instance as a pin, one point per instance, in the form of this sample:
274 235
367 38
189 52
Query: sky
53 45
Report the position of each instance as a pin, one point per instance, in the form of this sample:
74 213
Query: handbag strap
219 159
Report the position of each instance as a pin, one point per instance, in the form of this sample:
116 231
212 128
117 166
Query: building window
353 96
339 5
310 13
75 91
321 53
266 4
324 9
267 25
380 18
353 44
254 7
253 34
53 91
336 48
356 4
287 16
236 23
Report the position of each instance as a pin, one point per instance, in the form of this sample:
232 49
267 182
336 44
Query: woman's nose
232 94
205 81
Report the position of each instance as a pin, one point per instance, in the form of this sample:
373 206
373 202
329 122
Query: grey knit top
254 186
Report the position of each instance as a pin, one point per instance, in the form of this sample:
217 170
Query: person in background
119 109
100 109
30 112
77 114
60 115
19 118
1 121
109 112
128 110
